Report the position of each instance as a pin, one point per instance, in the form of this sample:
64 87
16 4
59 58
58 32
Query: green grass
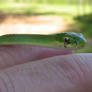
36 9
65 11
41 8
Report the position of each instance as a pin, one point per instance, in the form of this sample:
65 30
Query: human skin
36 69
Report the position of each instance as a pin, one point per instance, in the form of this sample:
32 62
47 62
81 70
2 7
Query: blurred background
46 17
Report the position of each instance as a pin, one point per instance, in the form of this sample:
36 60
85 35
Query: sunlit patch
37 25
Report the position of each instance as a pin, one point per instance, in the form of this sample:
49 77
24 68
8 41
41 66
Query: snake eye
67 40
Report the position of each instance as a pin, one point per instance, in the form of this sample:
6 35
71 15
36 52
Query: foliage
87 18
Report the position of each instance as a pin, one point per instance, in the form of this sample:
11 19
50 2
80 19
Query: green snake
67 40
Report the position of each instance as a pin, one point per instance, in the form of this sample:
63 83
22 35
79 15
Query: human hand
35 69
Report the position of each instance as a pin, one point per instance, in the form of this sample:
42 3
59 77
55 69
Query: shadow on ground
3 16
28 12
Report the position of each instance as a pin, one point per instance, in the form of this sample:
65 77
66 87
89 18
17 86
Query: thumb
12 55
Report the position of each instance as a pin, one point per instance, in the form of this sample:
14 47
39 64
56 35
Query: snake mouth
73 46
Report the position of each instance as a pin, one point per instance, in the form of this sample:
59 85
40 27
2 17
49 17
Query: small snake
65 40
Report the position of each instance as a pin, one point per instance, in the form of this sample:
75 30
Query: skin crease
58 71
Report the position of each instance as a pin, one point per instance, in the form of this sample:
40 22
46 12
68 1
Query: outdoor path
32 25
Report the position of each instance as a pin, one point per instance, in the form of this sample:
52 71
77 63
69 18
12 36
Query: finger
19 54
70 73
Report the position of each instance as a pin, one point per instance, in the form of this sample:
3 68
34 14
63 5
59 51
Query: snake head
71 40
74 40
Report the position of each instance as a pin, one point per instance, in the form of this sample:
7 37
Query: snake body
60 40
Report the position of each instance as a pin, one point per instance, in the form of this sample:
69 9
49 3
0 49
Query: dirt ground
31 24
